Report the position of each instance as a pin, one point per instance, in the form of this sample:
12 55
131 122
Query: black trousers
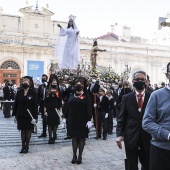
7 109
137 153
159 159
110 121
44 118
102 119
94 116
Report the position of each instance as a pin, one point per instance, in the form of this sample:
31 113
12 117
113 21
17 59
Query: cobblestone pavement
97 155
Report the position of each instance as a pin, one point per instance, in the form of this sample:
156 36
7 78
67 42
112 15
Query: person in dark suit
102 113
129 125
78 114
111 111
93 90
124 90
41 96
67 91
1 97
118 91
26 99
148 85
8 95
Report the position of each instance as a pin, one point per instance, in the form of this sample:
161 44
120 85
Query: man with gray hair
129 124
156 121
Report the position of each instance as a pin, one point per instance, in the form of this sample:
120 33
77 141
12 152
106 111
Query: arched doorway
9 70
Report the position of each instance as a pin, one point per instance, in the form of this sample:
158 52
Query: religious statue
93 54
67 48
165 24
52 68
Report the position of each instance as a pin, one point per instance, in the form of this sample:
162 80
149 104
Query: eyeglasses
138 79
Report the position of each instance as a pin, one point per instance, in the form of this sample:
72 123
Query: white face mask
93 80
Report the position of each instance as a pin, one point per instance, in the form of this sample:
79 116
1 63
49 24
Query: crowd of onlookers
106 86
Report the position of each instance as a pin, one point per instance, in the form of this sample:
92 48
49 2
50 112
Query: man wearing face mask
41 96
129 125
93 90
8 95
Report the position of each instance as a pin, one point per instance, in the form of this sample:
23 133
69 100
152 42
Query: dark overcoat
78 113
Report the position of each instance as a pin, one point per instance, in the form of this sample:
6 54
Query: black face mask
54 86
11 85
79 88
25 86
139 85
120 86
43 80
8 84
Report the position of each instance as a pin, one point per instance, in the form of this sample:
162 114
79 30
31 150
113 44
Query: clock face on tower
36 26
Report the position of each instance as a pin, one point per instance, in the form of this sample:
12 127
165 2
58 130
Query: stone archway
10 70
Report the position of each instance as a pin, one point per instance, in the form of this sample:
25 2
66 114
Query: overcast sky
94 17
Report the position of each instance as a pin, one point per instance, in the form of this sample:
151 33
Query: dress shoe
8 116
74 160
99 136
110 133
104 137
79 160
68 137
42 136
50 141
22 150
26 149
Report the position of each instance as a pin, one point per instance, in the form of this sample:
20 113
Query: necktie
140 101
91 87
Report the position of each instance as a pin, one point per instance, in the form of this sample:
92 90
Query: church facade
27 45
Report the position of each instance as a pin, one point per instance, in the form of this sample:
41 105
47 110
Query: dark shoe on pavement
22 150
99 136
79 160
50 141
110 133
42 136
68 137
26 149
8 116
104 137
74 160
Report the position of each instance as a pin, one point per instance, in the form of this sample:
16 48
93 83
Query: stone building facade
27 48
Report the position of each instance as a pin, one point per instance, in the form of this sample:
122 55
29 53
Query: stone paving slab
98 155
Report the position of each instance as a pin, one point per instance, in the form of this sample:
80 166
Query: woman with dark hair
26 101
52 77
53 103
67 49
78 114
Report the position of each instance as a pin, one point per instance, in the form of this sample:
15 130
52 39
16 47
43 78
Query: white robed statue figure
67 48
